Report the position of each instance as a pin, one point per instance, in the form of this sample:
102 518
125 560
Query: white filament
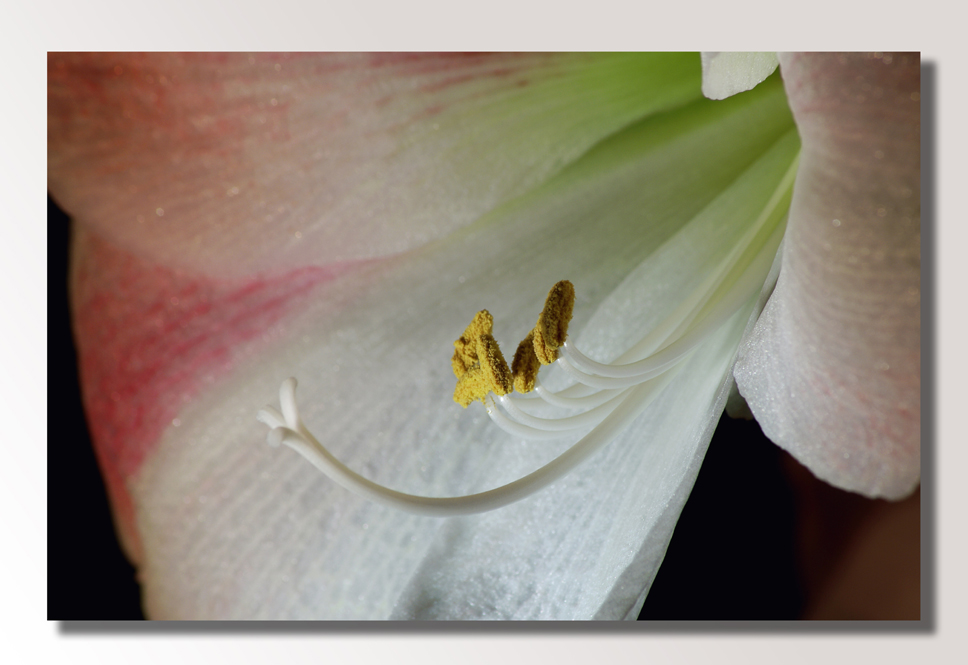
747 285
610 406
569 399
609 395
303 442
582 420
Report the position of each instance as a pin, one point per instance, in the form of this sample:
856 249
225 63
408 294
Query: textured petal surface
233 528
725 74
832 370
210 192
617 177
230 164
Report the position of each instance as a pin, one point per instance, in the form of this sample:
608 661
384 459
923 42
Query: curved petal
212 192
725 74
233 528
832 369
228 164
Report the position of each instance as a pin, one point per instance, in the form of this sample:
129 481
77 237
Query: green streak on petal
500 144
738 129
628 194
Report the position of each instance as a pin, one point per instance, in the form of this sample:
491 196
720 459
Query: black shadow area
733 552
88 577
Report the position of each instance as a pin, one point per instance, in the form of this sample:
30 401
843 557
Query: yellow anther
552 327
478 363
470 386
497 375
525 365
465 348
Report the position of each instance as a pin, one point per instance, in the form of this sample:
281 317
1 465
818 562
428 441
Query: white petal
725 74
832 371
233 528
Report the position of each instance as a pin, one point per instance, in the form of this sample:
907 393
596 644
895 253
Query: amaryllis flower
340 219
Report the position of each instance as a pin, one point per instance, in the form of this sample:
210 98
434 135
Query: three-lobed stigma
479 365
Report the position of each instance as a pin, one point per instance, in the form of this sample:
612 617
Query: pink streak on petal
343 148
150 339
832 369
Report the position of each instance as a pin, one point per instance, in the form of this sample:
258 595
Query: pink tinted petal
231 164
832 369
150 339
212 195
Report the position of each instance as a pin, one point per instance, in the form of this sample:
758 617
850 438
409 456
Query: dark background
87 575
732 555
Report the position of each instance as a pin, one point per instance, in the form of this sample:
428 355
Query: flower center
479 365
605 397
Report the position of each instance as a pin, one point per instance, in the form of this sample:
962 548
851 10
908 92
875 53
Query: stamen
612 383
497 376
465 348
525 365
579 421
478 363
303 442
567 399
552 327
612 395
515 428
470 386
745 287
